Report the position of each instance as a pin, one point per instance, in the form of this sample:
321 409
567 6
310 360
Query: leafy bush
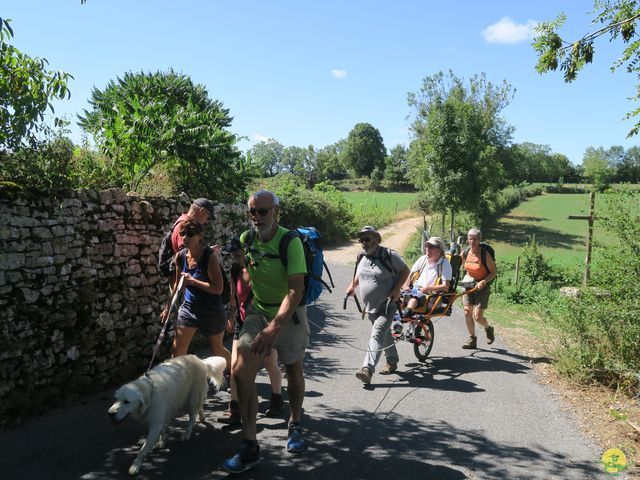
44 165
324 207
601 328
538 282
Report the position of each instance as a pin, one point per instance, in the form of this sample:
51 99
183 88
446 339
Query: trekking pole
344 303
174 300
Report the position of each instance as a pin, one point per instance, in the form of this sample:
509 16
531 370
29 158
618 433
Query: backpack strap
483 255
283 247
249 251
415 277
358 259
326 268
384 256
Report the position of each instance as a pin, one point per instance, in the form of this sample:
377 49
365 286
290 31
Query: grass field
561 240
389 201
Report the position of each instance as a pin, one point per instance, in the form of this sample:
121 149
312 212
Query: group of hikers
268 316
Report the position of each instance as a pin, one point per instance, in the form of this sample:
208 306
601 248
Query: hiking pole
344 303
174 300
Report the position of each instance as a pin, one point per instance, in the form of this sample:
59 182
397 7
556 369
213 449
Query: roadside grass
515 317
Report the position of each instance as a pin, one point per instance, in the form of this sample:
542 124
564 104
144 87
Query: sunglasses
366 240
428 246
187 234
259 211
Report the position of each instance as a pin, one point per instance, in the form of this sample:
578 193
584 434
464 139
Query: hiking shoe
490 335
248 455
407 312
389 368
365 375
276 405
295 440
471 343
230 417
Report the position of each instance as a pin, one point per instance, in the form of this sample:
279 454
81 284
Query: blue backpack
313 255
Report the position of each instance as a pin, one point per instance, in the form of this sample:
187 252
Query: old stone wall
80 294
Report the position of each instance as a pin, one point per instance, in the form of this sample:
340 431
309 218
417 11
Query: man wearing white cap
431 274
379 275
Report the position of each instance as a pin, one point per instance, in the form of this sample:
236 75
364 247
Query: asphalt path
461 415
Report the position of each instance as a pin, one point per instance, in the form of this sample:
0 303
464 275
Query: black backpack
166 253
484 249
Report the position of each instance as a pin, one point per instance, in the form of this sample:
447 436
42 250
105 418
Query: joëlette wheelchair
418 328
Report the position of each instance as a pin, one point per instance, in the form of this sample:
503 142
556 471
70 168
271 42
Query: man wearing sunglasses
274 320
201 210
380 290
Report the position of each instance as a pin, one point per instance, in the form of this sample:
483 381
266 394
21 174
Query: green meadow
561 240
387 201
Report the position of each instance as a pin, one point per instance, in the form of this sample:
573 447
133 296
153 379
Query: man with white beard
275 320
379 275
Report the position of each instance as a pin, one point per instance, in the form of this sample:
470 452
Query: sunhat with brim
370 230
436 242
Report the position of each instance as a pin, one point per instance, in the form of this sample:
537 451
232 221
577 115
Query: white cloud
338 73
261 138
506 30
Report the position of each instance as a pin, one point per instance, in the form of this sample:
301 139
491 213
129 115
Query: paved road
462 415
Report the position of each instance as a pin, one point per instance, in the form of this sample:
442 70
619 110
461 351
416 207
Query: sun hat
371 230
436 242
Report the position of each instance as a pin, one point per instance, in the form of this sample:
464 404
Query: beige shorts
292 340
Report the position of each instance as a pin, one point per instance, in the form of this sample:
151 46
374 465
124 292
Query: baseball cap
372 230
206 204
436 242
232 245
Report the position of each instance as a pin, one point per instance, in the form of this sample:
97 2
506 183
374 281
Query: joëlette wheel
424 341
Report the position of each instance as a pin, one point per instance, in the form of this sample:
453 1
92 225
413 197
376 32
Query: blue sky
305 72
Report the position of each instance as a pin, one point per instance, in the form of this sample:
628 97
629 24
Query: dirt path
395 235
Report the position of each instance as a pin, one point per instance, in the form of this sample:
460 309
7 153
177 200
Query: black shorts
210 321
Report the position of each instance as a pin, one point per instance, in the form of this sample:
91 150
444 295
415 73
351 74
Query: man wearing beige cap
379 274
431 274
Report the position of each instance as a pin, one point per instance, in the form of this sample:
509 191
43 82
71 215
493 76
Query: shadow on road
354 444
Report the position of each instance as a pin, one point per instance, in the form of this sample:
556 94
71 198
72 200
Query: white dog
176 386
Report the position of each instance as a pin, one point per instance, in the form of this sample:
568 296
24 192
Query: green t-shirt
269 278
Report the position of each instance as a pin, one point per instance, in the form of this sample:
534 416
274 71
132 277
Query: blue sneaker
295 442
242 461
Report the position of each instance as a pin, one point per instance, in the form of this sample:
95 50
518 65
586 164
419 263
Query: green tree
26 92
455 156
617 19
629 169
397 168
151 120
268 157
596 167
532 162
331 162
365 149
